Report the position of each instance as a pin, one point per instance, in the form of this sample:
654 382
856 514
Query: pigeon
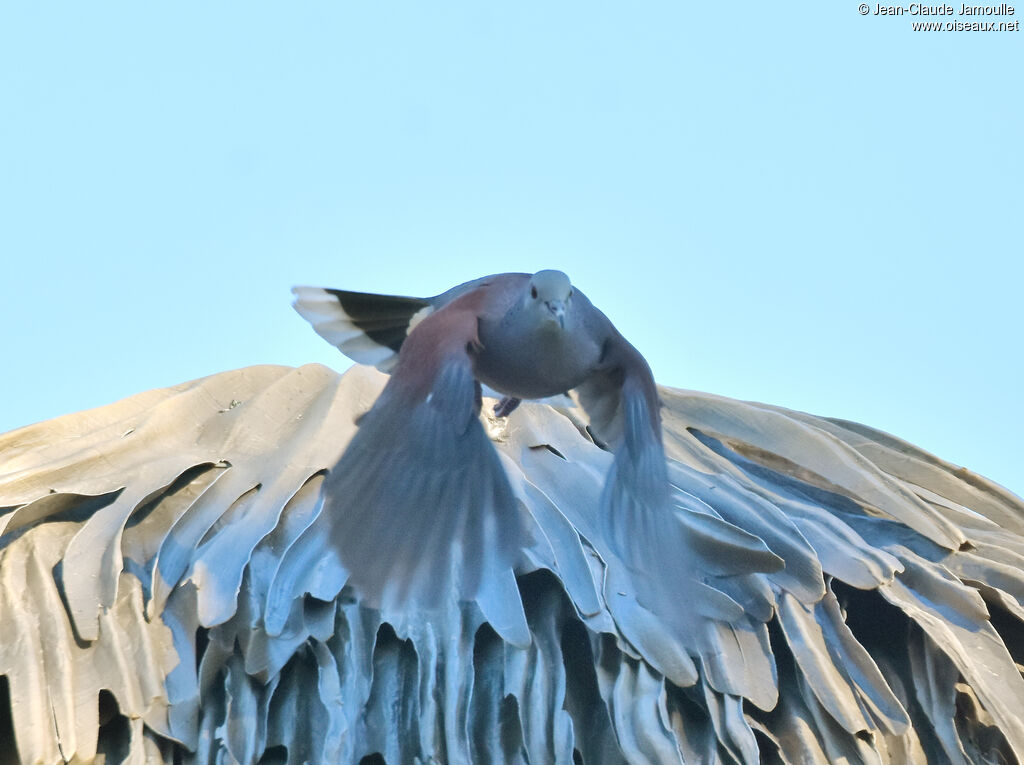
420 505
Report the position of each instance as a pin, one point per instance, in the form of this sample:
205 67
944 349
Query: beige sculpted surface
163 591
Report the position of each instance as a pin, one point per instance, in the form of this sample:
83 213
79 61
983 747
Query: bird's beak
557 309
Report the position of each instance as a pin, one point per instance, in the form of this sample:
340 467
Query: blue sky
790 203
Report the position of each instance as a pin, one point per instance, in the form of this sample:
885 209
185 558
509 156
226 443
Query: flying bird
427 503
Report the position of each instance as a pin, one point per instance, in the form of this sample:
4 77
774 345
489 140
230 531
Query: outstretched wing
674 566
368 328
371 328
420 507
621 402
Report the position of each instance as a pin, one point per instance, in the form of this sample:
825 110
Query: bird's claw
506 406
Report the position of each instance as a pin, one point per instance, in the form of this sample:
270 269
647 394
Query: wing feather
368 328
673 552
419 502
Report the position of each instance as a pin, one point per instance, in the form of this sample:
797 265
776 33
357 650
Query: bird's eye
533 292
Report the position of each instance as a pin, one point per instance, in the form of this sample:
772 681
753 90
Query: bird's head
549 295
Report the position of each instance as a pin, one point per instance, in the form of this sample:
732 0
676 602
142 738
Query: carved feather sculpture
288 565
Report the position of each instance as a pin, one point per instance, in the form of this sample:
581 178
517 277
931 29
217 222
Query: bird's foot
506 406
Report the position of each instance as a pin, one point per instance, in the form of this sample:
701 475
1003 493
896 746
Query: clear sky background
790 203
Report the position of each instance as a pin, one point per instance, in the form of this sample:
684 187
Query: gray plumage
422 500
527 350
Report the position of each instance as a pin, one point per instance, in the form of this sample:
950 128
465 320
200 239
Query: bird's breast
543 362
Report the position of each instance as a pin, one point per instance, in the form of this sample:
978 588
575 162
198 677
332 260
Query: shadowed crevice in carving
114 734
54 507
8 752
187 483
